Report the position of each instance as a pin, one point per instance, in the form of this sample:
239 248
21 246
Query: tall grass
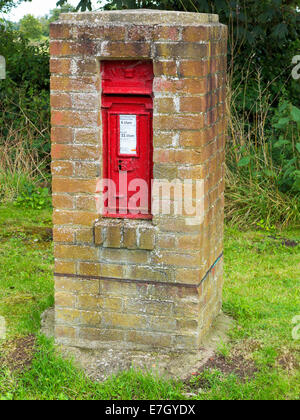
253 195
250 202
24 116
20 164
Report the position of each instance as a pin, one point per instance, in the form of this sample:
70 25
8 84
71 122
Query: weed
34 198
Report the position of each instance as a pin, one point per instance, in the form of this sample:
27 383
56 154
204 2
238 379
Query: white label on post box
128 142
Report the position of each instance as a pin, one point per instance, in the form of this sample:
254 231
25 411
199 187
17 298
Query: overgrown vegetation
38 28
261 293
263 109
262 156
24 116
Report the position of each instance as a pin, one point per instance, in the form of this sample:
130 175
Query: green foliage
55 13
262 177
223 349
54 16
262 172
266 226
7 5
34 197
12 184
24 107
45 26
250 200
283 148
83 5
27 65
31 27
286 146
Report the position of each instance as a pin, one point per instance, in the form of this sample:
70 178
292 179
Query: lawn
262 294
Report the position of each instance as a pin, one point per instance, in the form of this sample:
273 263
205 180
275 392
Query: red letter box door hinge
127 150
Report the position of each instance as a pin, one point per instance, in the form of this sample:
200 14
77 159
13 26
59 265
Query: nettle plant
286 146
33 197
276 157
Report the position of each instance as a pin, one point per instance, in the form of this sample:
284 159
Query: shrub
262 156
24 114
33 197
286 146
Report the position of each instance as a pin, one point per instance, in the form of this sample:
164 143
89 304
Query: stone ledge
142 17
125 233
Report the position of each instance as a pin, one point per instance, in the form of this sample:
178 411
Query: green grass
26 280
12 184
261 293
52 377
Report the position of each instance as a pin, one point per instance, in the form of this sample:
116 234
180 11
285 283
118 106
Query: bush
286 147
34 198
24 114
263 160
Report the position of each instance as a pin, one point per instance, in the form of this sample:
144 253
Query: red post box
127 108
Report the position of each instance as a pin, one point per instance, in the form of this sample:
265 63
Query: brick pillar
139 283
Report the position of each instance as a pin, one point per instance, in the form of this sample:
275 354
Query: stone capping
142 17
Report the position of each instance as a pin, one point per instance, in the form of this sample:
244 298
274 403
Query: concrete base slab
101 363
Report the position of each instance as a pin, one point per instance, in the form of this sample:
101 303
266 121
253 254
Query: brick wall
140 283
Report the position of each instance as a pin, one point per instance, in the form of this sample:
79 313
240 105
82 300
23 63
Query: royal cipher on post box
127 108
137 97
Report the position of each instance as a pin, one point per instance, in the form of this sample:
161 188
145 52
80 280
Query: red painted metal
127 138
127 77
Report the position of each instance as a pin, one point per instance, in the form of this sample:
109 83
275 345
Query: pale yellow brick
115 320
66 300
